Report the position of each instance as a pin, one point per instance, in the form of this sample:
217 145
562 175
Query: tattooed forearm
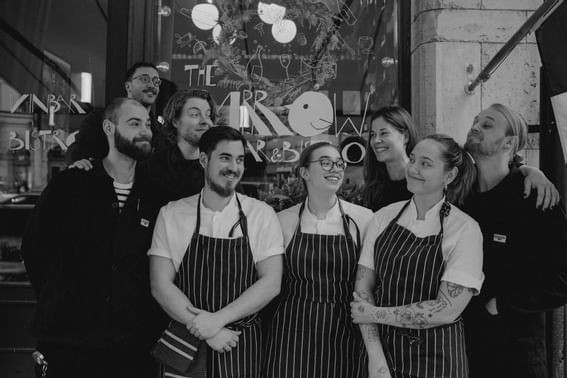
379 315
454 290
371 332
361 272
450 302
364 295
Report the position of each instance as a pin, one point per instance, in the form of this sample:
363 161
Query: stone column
451 41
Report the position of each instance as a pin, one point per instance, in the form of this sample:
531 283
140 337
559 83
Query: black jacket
171 177
88 262
525 266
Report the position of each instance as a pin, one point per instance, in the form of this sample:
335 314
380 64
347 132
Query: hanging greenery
315 72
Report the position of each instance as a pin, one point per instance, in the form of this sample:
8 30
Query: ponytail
455 156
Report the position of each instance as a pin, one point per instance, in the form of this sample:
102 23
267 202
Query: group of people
446 272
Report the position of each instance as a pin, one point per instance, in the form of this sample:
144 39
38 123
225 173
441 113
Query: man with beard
176 172
85 253
142 84
215 261
525 256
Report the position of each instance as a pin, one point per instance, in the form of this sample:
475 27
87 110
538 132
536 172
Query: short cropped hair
111 112
212 137
132 70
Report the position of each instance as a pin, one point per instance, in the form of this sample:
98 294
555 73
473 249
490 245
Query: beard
131 148
192 139
223 191
481 149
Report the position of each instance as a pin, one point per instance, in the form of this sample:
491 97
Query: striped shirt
122 192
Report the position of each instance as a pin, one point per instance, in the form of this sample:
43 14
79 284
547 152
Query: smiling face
145 94
487 136
387 142
194 120
131 133
310 114
224 167
426 172
318 179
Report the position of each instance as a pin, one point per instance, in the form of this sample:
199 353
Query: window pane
52 73
286 75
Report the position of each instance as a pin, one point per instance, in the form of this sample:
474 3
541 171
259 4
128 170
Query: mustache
142 139
152 90
229 171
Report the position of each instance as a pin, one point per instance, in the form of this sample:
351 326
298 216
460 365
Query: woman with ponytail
420 265
393 135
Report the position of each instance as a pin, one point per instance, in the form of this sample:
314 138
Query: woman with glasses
311 334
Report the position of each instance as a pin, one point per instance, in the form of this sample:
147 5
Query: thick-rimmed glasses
327 164
146 79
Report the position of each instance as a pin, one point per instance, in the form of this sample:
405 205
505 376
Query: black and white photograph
283 188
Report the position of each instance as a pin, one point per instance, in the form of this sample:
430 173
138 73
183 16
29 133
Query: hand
83 164
205 324
491 307
361 311
547 193
224 340
376 370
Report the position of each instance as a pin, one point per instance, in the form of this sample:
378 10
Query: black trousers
126 360
496 350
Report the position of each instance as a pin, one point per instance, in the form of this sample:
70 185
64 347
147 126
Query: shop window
52 73
286 74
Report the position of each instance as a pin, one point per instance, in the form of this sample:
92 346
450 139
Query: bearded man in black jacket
85 252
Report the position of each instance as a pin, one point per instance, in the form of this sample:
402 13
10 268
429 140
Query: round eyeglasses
327 164
146 79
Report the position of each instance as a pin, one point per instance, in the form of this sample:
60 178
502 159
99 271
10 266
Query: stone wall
452 40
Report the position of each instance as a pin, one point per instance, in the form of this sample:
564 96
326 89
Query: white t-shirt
331 225
176 222
461 245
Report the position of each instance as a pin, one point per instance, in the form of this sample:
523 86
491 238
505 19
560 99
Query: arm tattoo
380 314
363 295
361 272
454 290
408 316
372 332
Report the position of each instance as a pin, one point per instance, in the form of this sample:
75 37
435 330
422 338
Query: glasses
327 164
146 79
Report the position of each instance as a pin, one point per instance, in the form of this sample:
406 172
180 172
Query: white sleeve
365 220
269 239
373 230
464 262
161 240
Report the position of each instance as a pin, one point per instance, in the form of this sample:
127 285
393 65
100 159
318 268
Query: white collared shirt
331 225
461 246
176 222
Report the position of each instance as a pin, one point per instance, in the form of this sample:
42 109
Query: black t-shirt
392 191
525 267
171 176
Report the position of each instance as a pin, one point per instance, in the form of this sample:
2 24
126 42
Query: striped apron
312 334
409 270
214 272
